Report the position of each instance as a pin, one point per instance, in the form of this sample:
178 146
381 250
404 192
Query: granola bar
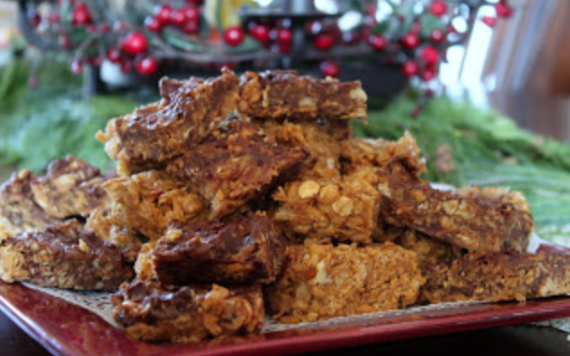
152 312
431 251
246 249
499 277
71 187
147 202
285 94
19 212
324 281
235 165
474 223
344 211
321 139
188 112
63 255
367 158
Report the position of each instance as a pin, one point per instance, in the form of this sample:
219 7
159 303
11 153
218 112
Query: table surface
505 341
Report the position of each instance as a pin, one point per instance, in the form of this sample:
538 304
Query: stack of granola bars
240 196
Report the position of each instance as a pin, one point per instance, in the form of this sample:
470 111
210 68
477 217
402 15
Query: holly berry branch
414 35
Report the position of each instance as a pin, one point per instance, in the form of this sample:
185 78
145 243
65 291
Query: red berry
147 66
260 32
323 41
284 35
191 13
234 36
428 74
377 42
410 68
126 66
330 69
177 17
438 8
35 18
437 36
284 47
91 28
503 10
163 14
81 15
489 21
135 43
191 27
410 40
430 55
76 66
104 28
153 24
113 55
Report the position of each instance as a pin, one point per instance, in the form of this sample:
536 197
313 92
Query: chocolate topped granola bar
280 94
235 165
245 249
474 223
188 112
63 255
153 312
19 212
71 187
499 277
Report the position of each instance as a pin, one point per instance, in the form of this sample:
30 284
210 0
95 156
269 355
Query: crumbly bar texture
71 187
144 265
148 201
248 249
321 209
188 112
474 223
366 158
431 251
19 212
324 281
499 277
498 194
236 165
112 229
152 312
63 255
285 94
321 139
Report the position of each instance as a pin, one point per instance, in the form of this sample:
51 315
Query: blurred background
482 84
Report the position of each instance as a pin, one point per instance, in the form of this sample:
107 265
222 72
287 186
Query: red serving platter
67 329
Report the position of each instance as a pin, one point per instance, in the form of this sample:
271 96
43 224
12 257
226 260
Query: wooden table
505 341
